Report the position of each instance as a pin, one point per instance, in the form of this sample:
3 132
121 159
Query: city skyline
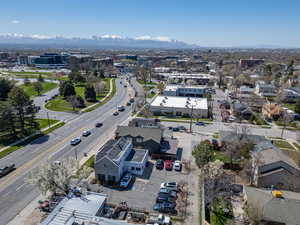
215 23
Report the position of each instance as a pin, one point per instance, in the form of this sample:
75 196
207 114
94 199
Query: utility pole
48 119
191 120
75 150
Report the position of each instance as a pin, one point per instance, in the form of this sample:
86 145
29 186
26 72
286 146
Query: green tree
38 87
161 87
24 107
66 89
5 87
7 118
76 77
90 93
41 78
203 153
297 107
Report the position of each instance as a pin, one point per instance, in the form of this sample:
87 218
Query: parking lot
143 191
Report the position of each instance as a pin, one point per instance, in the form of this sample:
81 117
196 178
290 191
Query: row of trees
17 113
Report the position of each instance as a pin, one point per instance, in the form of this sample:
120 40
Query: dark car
162 199
165 207
115 113
99 124
159 164
200 124
6 170
128 104
175 129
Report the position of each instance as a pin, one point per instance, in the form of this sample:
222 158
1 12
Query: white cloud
111 36
15 21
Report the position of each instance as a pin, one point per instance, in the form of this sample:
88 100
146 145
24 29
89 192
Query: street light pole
48 119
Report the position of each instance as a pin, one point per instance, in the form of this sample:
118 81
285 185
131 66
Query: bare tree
58 177
99 87
216 182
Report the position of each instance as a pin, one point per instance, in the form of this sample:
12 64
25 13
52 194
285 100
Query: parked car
159 164
128 104
231 118
131 100
161 199
170 128
75 141
115 113
6 170
125 181
200 124
168 191
176 129
181 127
177 165
86 133
168 165
165 207
98 124
173 186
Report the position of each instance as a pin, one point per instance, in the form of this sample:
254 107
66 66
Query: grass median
29 89
29 140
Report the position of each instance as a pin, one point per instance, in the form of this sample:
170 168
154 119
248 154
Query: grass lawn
29 89
59 104
283 144
219 155
29 140
290 106
151 95
90 162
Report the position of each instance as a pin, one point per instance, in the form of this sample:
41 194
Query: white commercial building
199 78
180 106
184 90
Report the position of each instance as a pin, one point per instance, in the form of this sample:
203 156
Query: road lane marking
22 185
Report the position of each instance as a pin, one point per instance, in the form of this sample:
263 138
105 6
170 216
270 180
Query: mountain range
105 41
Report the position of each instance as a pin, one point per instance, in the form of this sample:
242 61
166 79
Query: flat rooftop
137 155
72 208
180 102
175 87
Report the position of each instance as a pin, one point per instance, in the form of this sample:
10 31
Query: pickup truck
6 170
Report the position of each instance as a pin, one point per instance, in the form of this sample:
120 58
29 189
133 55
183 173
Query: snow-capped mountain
104 41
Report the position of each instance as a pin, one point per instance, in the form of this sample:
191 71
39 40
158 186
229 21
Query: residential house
272 207
291 95
254 102
272 111
144 138
242 111
265 90
273 168
245 91
117 157
157 141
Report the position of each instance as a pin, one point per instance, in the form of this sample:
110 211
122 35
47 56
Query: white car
173 186
177 165
125 181
75 141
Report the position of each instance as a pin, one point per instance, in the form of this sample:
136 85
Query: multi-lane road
15 193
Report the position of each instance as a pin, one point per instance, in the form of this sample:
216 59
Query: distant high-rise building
23 60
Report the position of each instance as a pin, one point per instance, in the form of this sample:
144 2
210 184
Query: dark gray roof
229 136
296 89
284 210
112 149
144 122
239 107
154 134
137 155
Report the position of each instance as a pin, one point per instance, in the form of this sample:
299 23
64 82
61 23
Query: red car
168 165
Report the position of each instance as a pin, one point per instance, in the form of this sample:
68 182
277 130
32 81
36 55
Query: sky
210 23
